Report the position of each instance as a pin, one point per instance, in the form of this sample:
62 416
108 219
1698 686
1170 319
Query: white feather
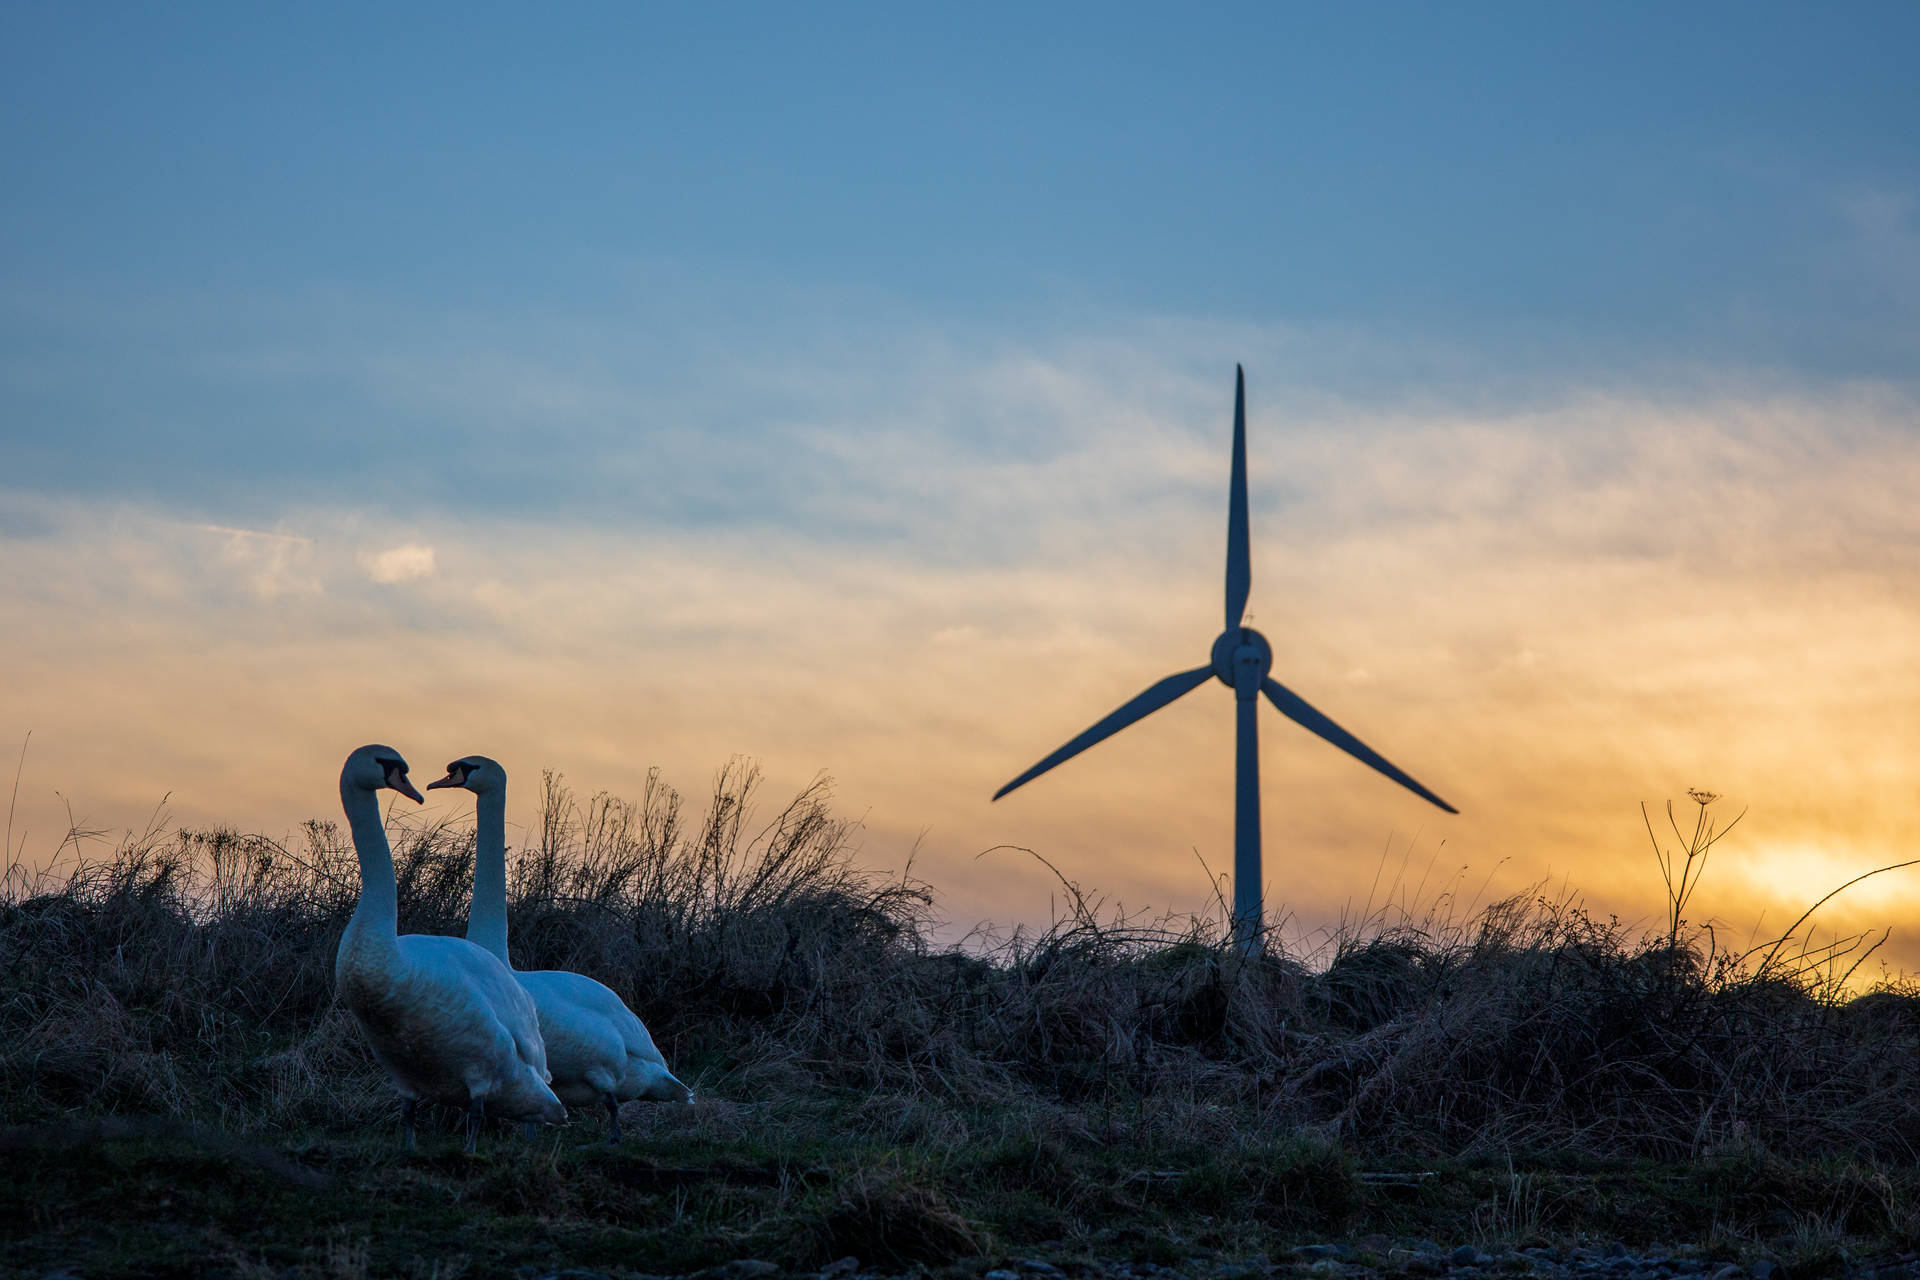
445 1017
597 1049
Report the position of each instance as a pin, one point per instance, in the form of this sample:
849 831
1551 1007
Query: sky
605 388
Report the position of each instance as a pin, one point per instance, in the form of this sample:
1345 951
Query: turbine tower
1240 660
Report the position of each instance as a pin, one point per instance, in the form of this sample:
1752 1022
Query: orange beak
397 779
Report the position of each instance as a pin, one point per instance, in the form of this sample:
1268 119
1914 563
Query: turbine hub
1238 647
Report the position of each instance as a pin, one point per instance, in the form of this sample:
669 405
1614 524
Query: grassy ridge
171 1059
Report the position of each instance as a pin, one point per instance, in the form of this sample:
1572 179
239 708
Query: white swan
598 1050
444 1017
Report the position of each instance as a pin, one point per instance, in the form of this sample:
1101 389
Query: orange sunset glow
1548 615
645 394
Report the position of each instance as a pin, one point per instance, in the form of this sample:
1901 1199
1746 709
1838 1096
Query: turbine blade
1297 709
1148 702
1239 572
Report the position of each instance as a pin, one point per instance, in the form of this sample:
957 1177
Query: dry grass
188 974
865 1090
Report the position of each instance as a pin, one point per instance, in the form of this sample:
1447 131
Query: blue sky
1492 192
501 335
1628 167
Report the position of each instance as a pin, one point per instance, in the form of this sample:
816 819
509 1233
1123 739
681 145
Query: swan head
666 1087
373 767
477 774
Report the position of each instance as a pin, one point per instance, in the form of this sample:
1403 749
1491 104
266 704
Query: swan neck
487 920
378 909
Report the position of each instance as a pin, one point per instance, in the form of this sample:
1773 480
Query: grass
175 1073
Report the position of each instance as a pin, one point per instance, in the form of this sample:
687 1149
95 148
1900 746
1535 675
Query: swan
598 1050
443 1016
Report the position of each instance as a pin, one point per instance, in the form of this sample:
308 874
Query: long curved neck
487 919
379 908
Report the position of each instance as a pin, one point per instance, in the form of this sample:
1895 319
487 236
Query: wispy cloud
261 534
270 564
1548 611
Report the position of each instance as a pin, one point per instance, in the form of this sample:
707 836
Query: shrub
188 974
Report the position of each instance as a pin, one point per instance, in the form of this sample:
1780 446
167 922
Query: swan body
598 1050
445 1018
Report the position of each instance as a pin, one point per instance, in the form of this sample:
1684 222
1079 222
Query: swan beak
448 781
398 781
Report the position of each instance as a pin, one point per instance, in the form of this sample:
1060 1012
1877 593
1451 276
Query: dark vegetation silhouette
865 1089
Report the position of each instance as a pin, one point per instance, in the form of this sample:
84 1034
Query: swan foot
408 1108
475 1114
612 1104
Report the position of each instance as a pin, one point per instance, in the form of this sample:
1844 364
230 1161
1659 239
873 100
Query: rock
844 1267
1426 1246
1762 1270
1000 1273
1615 1250
1314 1252
1037 1267
1468 1256
739 1269
1727 1272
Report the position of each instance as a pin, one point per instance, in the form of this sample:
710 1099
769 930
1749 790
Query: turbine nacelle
1241 659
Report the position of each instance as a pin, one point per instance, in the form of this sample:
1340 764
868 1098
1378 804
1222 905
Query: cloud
1548 612
408 562
271 564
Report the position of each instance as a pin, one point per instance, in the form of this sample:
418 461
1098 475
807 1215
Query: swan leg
476 1111
612 1104
408 1107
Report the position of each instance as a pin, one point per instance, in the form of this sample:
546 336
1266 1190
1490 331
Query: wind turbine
1240 660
